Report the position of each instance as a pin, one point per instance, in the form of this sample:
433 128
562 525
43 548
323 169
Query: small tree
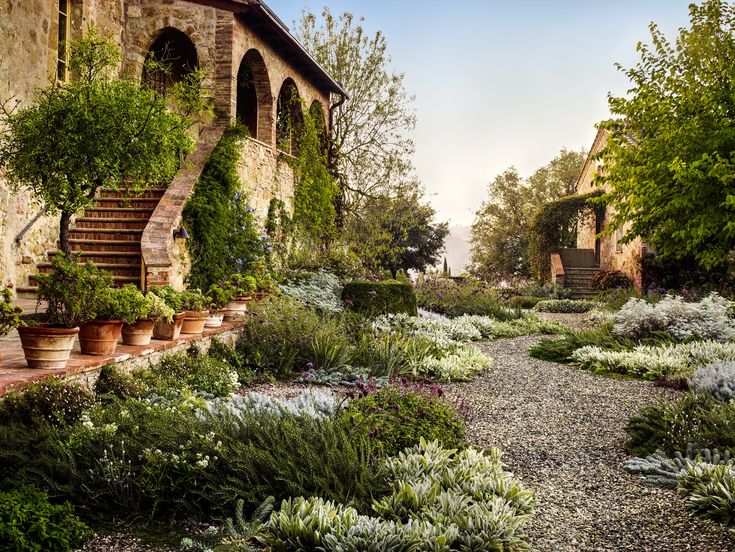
96 131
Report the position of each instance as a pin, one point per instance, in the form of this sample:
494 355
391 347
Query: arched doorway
288 118
254 99
170 58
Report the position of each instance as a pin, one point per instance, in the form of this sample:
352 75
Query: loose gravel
561 431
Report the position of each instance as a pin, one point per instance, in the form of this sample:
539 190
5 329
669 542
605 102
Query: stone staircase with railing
109 234
574 269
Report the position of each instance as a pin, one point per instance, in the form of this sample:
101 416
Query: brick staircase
579 280
108 234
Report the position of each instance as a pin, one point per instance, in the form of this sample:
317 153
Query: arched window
170 58
254 98
289 117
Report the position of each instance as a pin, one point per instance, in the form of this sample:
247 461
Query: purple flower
310 365
373 293
309 375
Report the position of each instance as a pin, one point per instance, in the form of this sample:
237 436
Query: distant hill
457 244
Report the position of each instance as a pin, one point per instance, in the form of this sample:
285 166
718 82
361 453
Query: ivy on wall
224 238
555 226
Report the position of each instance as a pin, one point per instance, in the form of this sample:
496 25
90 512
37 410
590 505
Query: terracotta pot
47 347
139 333
237 309
99 337
169 331
194 322
214 320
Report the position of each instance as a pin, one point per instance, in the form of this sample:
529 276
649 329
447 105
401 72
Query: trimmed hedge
376 298
523 301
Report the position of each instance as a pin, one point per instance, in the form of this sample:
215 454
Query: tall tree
670 155
371 152
500 233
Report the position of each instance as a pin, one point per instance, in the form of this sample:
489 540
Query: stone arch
254 98
289 117
175 55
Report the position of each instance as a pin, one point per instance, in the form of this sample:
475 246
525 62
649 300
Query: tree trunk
64 244
394 273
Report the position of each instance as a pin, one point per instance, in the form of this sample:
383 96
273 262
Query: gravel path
561 431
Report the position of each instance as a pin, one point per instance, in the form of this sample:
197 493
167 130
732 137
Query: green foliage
668 172
158 309
548 290
53 401
224 238
221 351
170 296
94 131
610 279
376 298
193 300
500 232
523 301
696 418
565 305
457 298
30 523
9 313
555 225
709 491
126 303
397 418
398 234
218 297
191 371
560 350
71 290
114 382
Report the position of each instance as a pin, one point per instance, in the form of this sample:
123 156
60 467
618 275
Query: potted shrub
164 328
217 298
9 314
70 290
141 332
194 304
264 282
113 307
240 289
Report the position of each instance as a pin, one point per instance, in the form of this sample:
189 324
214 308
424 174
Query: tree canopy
670 155
501 230
95 131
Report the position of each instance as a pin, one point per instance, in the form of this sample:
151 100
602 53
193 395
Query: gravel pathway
561 431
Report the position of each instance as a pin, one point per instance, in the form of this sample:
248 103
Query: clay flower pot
214 320
138 334
99 337
47 347
194 322
169 331
237 309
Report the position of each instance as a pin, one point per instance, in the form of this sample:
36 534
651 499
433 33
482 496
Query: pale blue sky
502 82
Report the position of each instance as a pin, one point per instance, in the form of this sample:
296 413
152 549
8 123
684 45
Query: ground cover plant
565 305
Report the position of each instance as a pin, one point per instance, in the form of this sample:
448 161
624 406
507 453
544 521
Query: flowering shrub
53 401
192 371
314 404
707 319
649 361
397 417
610 279
463 500
565 305
718 379
321 290
453 298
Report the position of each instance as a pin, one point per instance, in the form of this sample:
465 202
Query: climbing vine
555 225
224 238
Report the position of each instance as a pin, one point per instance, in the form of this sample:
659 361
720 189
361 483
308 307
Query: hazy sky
502 82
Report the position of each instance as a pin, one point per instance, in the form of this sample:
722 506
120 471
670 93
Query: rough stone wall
613 255
264 174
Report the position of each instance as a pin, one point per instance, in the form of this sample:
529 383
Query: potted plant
70 290
164 328
264 282
113 307
9 314
140 332
240 288
217 298
194 304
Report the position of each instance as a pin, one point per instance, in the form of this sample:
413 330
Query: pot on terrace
100 337
138 334
47 347
237 308
169 331
215 318
194 322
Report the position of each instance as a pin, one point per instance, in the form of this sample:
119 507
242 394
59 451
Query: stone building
253 67
575 267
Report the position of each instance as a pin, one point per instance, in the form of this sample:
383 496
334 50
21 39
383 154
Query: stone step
119 281
116 269
131 202
129 193
119 212
116 223
85 244
109 257
108 234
